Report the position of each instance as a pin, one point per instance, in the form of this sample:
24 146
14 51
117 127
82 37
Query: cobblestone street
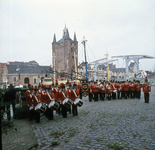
128 124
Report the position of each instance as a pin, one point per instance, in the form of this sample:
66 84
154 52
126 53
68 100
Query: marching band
67 98
43 100
123 89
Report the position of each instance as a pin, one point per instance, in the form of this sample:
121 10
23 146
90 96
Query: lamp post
18 70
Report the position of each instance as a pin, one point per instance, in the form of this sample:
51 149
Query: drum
114 91
40 108
53 105
30 108
67 102
78 102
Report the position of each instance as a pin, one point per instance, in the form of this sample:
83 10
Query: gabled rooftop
30 63
28 69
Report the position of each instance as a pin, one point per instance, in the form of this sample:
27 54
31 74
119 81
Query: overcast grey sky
119 27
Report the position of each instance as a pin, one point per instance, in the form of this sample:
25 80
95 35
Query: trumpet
147 85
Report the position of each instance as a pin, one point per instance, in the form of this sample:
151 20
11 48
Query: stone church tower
63 52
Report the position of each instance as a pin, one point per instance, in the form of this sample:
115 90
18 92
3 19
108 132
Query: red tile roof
2 64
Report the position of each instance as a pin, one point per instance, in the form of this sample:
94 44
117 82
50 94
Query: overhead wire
91 52
46 62
140 65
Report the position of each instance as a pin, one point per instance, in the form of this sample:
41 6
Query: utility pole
18 70
54 67
107 67
75 67
83 42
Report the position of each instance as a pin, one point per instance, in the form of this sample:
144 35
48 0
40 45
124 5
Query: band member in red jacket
49 111
122 89
35 103
135 92
96 91
68 85
126 89
113 88
118 87
138 89
62 97
52 91
74 94
109 91
28 95
102 91
91 86
146 90
56 96
132 89
79 88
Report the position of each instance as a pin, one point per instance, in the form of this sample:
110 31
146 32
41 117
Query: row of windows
26 80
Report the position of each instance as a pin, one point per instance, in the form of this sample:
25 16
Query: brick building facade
20 73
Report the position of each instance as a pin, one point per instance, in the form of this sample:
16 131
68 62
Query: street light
18 70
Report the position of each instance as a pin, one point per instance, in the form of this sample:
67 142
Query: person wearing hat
132 89
56 97
113 88
118 87
102 91
96 91
91 86
34 104
49 112
62 97
28 95
67 93
44 98
52 91
138 89
126 89
146 90
74 95
122 89
109 91
79 88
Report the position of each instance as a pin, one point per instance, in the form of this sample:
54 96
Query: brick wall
63 52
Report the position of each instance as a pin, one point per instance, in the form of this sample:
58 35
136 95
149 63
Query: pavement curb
22 139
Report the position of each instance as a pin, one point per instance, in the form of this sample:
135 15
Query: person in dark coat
9 98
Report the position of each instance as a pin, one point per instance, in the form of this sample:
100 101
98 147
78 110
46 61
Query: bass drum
53 105
78 102
114 91
67 102
40 108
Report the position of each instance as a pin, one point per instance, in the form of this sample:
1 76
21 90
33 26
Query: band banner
84 89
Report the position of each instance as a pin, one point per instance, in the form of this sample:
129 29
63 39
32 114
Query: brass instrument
108 87
147 85
115 90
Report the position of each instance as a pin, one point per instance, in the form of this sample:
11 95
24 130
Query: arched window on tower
26 80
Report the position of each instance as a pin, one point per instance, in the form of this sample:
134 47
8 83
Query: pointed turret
66 33
75 40
54 39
